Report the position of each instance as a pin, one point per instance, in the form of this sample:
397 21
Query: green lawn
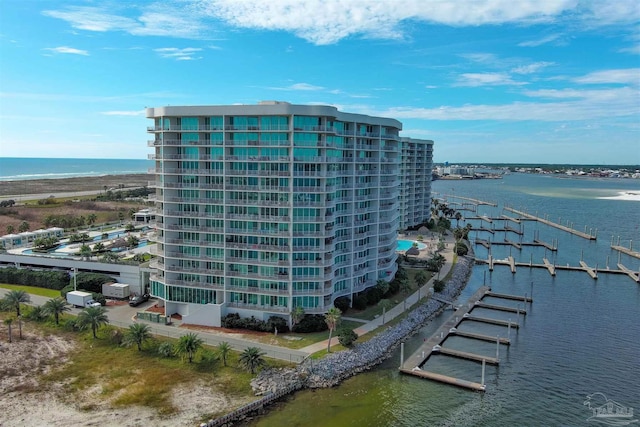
303 340
33 290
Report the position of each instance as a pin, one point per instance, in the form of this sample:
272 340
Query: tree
332 318
383 285
297 314
93 317
189 345
121 216
98 247
132 242
405 286
129 227
91 219
386 305
8 321
14 298
251 359
10 229
347 336
24 226
421 279
85 251
56 307
137 334
223 351
458 217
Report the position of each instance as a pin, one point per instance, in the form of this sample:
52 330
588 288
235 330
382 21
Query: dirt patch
66 185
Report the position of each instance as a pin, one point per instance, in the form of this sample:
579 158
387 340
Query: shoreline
334 368
50 186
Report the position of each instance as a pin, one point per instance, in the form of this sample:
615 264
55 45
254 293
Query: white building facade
262 208
415 183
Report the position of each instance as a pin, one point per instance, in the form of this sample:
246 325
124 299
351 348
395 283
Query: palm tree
137 334
91 219
386 305
297 314
93 317
8 321
56 307
458 217
251 359
223 351
15 298
189 344
24 226
85 251
37 313
98 247
332 318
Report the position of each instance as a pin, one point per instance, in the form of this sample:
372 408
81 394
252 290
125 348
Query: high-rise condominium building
262 208
415 183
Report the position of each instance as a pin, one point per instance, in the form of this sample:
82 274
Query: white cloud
596 104
486 79
628 75
66 49
124 113
540 42
531 68
299 86
155 20
328 21
185 54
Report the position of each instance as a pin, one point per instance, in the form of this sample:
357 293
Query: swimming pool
405 245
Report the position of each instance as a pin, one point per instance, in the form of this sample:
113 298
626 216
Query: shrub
438 285
92 282
234 321
41 279
360 301
277 322
98 297
374 295
116 337
311 323
347 337
342 303
461 249
166 349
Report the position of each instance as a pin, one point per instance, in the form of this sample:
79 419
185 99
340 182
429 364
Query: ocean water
580 336
23 168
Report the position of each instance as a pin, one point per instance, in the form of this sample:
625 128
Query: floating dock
433 345
553 224
481 304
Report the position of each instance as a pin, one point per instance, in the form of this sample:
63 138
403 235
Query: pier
553 224
626 251
434 345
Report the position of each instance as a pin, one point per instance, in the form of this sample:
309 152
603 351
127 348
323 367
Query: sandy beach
71 185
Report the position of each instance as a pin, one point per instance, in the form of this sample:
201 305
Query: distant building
262 208
415 186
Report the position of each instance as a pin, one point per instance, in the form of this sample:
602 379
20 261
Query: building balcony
267 308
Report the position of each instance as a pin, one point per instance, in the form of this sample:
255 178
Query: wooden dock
549 266
465 355
552 224
413 365
480 337
444 379
508 296
592 272
491 321
626 251
635 276
481 304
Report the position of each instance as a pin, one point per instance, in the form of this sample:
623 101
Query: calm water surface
580 336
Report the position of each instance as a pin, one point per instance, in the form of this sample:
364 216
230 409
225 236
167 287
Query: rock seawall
336 367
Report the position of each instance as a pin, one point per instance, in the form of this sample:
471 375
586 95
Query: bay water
580 336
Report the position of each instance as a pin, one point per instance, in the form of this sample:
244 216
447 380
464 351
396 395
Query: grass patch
302 340
33 290
126 376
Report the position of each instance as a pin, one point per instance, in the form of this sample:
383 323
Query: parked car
138 299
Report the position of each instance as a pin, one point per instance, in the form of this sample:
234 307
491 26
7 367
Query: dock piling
497 348
401 355
483 365
509 330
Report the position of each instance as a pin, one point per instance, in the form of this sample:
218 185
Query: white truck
81 299
116 290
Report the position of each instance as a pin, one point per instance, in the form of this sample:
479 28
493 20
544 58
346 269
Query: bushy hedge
342 303
347 336
438 285
311 323
234 321
461 249
42 279
360 301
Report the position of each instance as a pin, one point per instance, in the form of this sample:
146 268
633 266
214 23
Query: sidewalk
398 309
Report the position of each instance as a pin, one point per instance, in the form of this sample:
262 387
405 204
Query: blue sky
527 81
